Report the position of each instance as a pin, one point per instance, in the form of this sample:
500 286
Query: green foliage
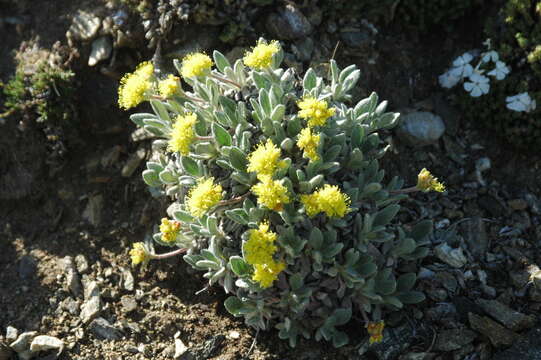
326 267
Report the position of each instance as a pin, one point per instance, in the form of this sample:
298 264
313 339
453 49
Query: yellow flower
261 55
267 273
139 254
195 64
170 230
375 330
168 86
265 159
271 193
308 143
329 200
133 86
315 111
203 196
182 134
427 182
260 246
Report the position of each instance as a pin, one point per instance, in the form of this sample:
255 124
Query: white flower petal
468 86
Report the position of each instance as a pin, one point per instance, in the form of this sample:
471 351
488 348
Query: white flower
447 80
521 102
500 71
478 85
490 56
461 66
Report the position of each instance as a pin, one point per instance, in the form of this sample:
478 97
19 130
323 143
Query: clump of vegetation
277 192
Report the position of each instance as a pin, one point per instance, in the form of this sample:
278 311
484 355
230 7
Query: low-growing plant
278 195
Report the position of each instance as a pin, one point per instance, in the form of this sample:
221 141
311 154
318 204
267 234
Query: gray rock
101 50
27 267
289 23
128 282
453 257
527 348
82 264
395 341
70 305
491 205
91 289
510 318
92 305
44 343
420 128
208 349
447 280
134 161
498 335
303 49
356 38
128 303
102 329
418 356
476 237
23 342
73 282
11 334
454 339
84 26
180 348
93 210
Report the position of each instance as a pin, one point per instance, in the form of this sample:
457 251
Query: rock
420 128
527 348
208 349
44 343
140 134
74 282
442 312
454 339
102 329
11 334
491 205
356 38
22 344
510 318
453 257
476 237
447 280
128 303
481 165
91 289
518 204
127 279
395 341
27 267
82 264
84 26
180 348
418 356
134 161
234 334
303 49
5 352
70 305
288 24
101 50
93 210
519 278
498 335
92 305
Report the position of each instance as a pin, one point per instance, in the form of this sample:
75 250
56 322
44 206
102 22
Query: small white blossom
447 80
490 56
478 85
500 71
521 102
461 66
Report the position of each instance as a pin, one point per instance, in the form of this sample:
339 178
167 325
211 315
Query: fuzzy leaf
233 305
151 178
239 266
411 297
190 166
296 281
421 230
237 159
406 282
220 60
383 217
221 135
237 215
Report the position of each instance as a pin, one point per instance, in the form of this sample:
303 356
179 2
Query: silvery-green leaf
260 81
421 230
233 305
340 339
405 282
278 113
221 135
237 215
384 216
220 60
309 80
392 300
238 159
332 153
167 177
207 264
411 297
139 118
183 216
160 110
239 266
264 101
151 178
190 166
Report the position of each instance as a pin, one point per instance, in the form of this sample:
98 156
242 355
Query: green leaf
207 264
339 339
383 217
411 297
238 159
233 305
309 80
221 135
151 178
332 153
190 166
421 230
237 215
278 113
220 60
296 281
316 238
139 118
406 282
160 110
341 316
183 216
167 177
260 81
239 266
393 300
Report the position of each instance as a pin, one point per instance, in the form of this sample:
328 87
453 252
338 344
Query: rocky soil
67 290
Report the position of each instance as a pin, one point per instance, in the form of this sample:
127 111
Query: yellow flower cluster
308 143
265 159
261 55
427 182
329 200
259 251
139 254
168 86
315 111
375 330
182 134
203 196
170 230
195 64
133 86
271 193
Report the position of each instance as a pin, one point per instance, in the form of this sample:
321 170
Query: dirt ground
88 209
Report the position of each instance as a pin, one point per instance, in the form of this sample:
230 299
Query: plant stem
169 254
234 200
204 138
226 80
411 189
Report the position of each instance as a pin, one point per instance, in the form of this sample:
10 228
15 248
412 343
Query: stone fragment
102 329
454 339
452 257
11 334
420 128
510 318
92 305
101 50
476 237
44 343
133 162
82 264
93 210
356 38
27 267
498 335
527 348
289 23
395 341
127 279
23 341
84 26
180 348
518 204
128 303
73 282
